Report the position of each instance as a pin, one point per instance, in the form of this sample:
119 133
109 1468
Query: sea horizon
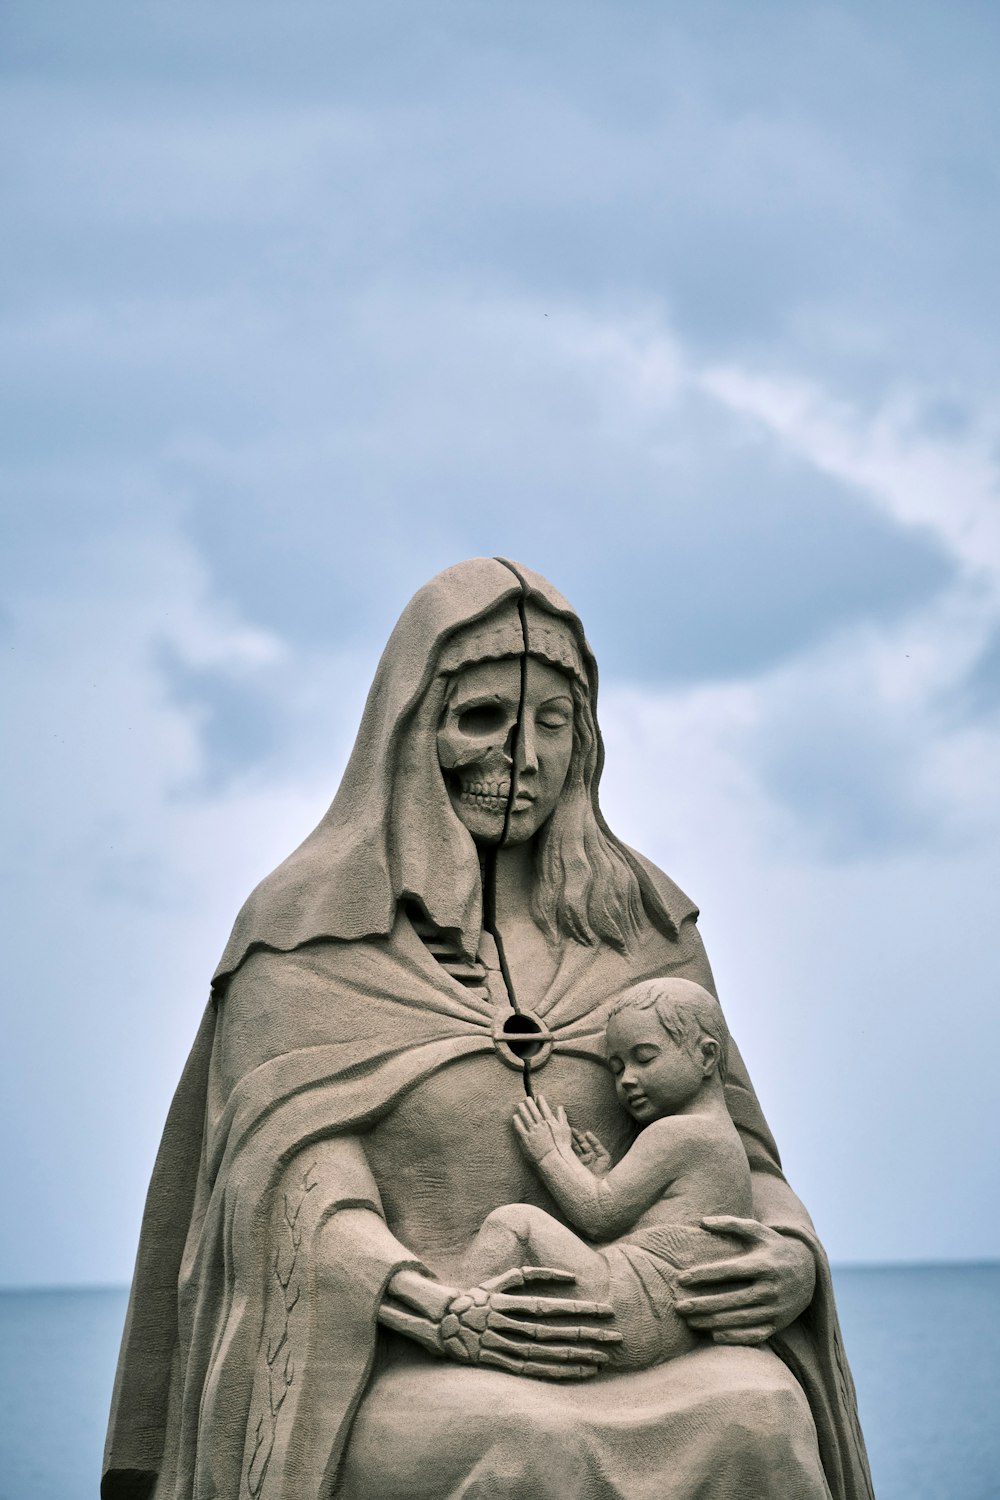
837 1266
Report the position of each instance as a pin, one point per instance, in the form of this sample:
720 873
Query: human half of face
496 749
654 1076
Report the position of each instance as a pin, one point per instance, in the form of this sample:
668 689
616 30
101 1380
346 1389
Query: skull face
504 757
475 744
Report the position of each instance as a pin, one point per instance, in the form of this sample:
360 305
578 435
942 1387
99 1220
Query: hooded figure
344 1122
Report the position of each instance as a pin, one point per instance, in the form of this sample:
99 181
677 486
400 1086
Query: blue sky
692 307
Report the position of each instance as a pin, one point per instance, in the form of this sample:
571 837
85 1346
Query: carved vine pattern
286 1290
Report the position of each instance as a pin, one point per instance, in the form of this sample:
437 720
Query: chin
524 824
485 827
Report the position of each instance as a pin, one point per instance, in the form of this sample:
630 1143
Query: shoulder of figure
274 971
677 904
673 1133
665 1136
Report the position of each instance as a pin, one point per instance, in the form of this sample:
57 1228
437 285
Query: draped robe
283 1201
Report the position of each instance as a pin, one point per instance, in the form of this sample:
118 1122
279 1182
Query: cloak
251 1330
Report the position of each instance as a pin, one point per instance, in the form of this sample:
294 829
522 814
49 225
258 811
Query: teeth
482 801
486 791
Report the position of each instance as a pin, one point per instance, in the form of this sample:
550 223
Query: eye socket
615 1064
485 718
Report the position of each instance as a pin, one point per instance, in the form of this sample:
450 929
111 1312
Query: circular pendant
522 1041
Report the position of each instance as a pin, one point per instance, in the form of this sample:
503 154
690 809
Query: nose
627 1078
527 747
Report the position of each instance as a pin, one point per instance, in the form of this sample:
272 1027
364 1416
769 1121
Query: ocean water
924 1344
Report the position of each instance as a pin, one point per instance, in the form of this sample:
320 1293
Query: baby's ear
711 1054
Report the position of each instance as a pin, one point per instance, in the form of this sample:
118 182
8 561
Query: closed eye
645 1054
555 714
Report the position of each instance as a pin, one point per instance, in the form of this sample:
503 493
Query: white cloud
948 485
842 954
120 884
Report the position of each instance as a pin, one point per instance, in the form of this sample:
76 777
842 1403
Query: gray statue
465 1190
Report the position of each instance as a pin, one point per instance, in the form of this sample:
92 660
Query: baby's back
707 1172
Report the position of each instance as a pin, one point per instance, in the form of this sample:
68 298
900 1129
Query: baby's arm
600 1207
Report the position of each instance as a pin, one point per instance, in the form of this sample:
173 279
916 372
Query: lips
636 1101
492 796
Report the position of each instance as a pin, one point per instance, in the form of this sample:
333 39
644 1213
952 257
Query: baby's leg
518 1234
644 1288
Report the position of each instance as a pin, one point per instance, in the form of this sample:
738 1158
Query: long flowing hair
585 887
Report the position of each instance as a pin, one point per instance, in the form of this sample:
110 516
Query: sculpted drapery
345 1116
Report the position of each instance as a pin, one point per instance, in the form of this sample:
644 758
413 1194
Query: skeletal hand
540 1129
591 1152
547 1338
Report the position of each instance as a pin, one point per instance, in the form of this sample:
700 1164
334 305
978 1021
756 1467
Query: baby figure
666 1045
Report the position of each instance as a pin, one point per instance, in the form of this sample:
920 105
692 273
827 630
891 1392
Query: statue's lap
717 1424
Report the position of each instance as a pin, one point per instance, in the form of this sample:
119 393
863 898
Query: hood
391 829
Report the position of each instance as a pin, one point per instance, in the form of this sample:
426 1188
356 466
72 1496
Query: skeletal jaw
491 796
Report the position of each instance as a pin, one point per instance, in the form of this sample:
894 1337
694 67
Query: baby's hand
541 1130
594 1156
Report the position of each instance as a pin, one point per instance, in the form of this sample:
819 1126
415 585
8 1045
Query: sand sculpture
465 1190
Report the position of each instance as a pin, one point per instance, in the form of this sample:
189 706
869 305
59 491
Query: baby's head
666 1041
